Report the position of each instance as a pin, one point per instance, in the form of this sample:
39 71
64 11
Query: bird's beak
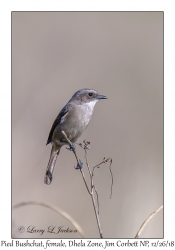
101 97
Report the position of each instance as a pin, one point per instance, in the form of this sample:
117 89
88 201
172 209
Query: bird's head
87 96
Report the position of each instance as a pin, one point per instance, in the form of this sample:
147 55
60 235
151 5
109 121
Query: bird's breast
81 116
75 121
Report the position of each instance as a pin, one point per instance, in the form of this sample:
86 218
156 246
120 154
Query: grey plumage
72 119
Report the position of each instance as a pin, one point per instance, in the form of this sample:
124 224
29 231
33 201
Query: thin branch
147 220
56 209
111 177
69 142
97 199
85 147
90 192
90 173
98 165
96 214
85 181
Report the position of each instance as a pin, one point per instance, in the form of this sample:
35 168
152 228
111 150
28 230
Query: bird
73 120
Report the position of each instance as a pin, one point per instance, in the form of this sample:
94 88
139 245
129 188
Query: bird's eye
90 94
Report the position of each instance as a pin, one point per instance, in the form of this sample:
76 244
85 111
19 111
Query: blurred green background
119 54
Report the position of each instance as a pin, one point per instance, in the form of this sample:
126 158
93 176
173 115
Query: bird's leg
79 162
67 141
71 146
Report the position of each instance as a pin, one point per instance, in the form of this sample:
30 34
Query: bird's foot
79 165
72 147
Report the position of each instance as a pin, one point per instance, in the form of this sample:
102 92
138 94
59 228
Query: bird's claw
79 165
72 147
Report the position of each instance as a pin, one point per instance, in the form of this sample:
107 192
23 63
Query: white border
5 91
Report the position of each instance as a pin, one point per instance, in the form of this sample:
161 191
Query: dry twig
85 146
147 220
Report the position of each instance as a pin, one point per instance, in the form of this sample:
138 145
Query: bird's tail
49 171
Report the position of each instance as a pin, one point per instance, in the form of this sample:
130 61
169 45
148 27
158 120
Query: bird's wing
59 119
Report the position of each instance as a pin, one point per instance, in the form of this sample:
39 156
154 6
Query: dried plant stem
85 182
92 185
96 214
147 220
54 208
69 142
